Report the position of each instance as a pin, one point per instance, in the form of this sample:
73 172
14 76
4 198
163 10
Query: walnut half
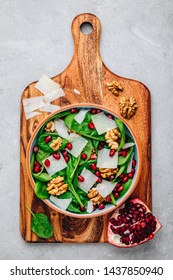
95 197
55 145
112 138
115 87
106 172
128 107
57 186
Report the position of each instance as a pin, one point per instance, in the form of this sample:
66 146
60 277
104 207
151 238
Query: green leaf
95 145
121 170
46 146
124 160
40 190
126 186
41 155
113 199
87 150
44 177
40 225
122 130
75 209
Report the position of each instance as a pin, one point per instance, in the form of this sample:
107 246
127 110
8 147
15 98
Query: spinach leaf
122 130
46 146
40 225
43 177
87 150
40 190
123 160
75 209
121 170
41 155
113 199
95 145
32 162
83 128
72 166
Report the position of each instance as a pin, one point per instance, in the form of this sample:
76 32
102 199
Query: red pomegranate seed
130 175
101 206
36 169
94 207
81 178
143 224
111 177
93 111
66 158
36 163
82 208
100 147
35 149
112 153
122 176
65 154
125 179
108 198
120 153
69 146
110 117
118 185
116 195
47 162
91 126
73 110
98 111
124 153
93 166
99 180
134 163
93 156
97 173
83 156
120 189
56 156
133 171
151 236
47 139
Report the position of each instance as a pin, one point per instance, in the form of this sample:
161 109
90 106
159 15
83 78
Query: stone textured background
136 42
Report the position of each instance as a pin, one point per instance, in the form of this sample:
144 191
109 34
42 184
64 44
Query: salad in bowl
83 160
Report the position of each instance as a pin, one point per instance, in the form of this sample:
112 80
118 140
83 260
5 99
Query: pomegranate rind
111 236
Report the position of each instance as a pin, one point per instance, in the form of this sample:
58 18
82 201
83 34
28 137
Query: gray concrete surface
136 42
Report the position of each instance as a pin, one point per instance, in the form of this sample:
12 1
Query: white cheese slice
105 161
32 100
89 180
129 166
128 145
76 91
53 95
89 207
78 144
32 107
62 130
102 123
81 115
46 85
31 115
55 165
61 203
50 108
105 188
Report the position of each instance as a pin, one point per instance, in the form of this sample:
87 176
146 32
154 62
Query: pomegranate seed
133 171
83 156
73 110
120 153
125 179
124 153
35 149
36 163
93 166
101 206
47 139
110 117
122 176
134 163
93 111
69 146
36 169
108 198
91 126
65 154
151 236
82 208
111 178
66 158
81 178
116 195
99 180
100 147
130 175
112 153
97 173
120 189
47 162
98 111
93 156
56 156
94 207
143 224
118 185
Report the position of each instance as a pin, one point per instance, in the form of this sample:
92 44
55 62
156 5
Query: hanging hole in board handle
86 28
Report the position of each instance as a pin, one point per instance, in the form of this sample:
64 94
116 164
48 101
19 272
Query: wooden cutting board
88 74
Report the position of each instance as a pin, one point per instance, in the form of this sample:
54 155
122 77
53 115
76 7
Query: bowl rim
125 197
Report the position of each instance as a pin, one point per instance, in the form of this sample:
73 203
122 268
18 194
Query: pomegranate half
132 224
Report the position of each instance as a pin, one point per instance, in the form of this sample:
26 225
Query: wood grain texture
89 75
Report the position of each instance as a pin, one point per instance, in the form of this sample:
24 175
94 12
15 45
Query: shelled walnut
128 107
95 197
55 145
57 186
115 87
112 138
106 172
50 126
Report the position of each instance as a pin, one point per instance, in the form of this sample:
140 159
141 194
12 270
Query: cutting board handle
86 42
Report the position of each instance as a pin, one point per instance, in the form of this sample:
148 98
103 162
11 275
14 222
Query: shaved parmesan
62 130
89 207
105 161
76 91
128 145
81 116
49 108
46 85
129 166
89 180
32 100
31 115
55 165
102 123
53 95
78 145
61 203
105 188
32 107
